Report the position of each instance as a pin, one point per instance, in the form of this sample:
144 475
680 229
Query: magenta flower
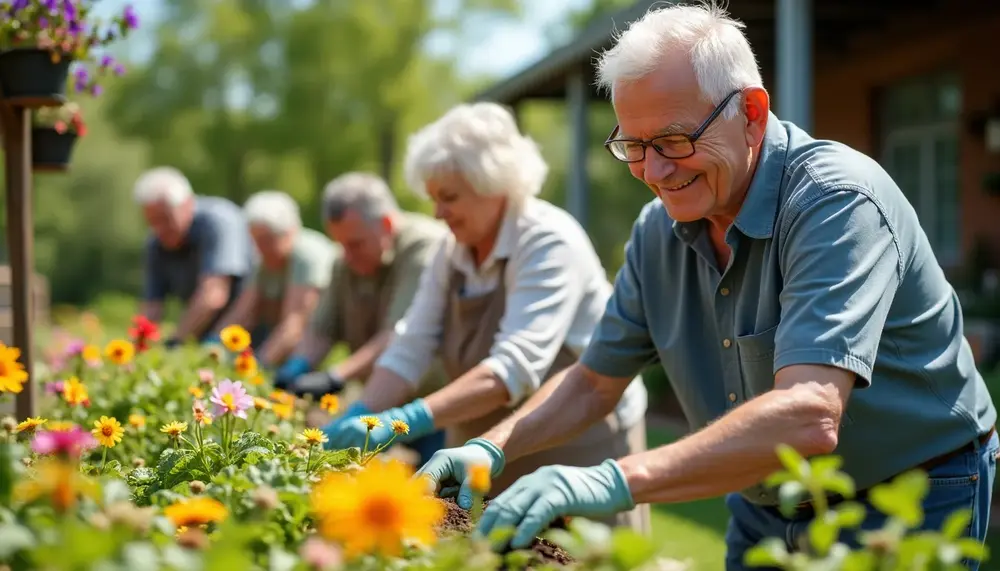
70 443
231 398
206 376
54 388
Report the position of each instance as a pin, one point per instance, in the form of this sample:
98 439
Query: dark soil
545 552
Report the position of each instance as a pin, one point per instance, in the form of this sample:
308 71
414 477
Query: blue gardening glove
294 367
447 469
348 430
535 500
211 339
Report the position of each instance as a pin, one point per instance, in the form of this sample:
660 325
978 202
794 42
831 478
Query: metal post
20 241
577 98
795 61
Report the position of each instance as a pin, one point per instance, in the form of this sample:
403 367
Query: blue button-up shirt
829 266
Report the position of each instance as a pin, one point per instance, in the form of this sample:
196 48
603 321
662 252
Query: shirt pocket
756 352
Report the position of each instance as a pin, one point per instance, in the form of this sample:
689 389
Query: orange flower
245 364
119 351
235 338
12 373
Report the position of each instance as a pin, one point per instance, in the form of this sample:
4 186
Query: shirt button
726 343
724 291
732 397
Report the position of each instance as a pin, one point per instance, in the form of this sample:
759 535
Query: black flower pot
28 78
51 151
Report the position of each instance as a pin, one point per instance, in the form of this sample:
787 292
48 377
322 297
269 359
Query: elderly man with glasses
786 287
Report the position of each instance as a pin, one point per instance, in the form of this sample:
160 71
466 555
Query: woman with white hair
294 267
511 298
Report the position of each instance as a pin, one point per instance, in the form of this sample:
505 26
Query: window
920 128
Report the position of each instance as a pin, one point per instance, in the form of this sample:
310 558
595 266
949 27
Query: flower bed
144 459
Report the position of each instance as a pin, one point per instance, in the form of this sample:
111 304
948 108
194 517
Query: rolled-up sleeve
622 346
544 293
841 267
418 332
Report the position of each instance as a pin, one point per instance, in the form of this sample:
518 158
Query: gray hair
162 184
273 209
720 54
361 192
482 143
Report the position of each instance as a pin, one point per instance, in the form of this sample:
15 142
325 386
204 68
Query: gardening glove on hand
316 384
447 469
349 430
535 500
294 367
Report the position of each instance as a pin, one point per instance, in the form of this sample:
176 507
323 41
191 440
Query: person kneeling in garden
285 288
787 289
512 296
199 251
384 250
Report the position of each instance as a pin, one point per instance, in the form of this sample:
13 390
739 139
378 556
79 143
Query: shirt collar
760 207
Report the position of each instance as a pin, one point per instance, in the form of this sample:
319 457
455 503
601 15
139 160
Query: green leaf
631 549
6 472
792 461
902 498
973 549
860 561
823 533
956 524
825 465
850 514
768 553
790 495
14 538
778 478
175 466
839 483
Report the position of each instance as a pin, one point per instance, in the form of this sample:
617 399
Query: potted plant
39 39
54 132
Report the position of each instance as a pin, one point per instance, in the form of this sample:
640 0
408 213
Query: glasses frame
691 137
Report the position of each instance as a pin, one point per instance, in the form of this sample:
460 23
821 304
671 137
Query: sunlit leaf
769 553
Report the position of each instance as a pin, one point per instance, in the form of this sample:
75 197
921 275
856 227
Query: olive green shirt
310 264
379 300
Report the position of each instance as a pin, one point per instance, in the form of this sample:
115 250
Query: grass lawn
695 531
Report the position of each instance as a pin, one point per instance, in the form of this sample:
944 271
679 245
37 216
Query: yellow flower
75 392
60 481
196 392
282 397
60 426
137 420
261 404
282 410
30 424
91 353
12 373
196 511
235 338
108 431
330 403
119 351
257 380
399 426
376 509
371 422
245 364
313 436
174 428
479 478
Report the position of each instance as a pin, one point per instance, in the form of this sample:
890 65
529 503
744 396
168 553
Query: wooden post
16 124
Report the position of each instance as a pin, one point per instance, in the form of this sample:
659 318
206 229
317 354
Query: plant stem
104 458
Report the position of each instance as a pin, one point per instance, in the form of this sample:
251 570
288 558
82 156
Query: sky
524 41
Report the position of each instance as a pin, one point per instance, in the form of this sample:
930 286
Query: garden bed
544 552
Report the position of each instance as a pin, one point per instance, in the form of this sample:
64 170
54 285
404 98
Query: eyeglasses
672 146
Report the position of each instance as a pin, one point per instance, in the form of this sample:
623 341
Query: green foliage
897 546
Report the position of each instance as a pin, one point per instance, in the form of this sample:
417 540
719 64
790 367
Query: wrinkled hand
537 499
447 470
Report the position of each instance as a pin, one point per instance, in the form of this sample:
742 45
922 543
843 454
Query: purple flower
54 388
74 348
43 23
96 90
106 61
130 18
51 6
19 5
231 398
119 69
69 9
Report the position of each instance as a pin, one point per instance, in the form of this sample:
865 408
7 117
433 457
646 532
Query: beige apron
470 325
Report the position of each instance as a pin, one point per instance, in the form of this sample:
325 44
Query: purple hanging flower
96 90
51 6
119 69
69 9
107 61
43 23
19 5
130 18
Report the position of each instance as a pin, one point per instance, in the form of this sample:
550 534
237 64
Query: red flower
142 332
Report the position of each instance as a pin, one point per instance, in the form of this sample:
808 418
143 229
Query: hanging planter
32 77
40 40
54 133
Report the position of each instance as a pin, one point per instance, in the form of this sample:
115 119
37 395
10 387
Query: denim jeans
965 481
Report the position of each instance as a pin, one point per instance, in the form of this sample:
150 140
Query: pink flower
319 554
71 442
206 376
231 398
54 388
